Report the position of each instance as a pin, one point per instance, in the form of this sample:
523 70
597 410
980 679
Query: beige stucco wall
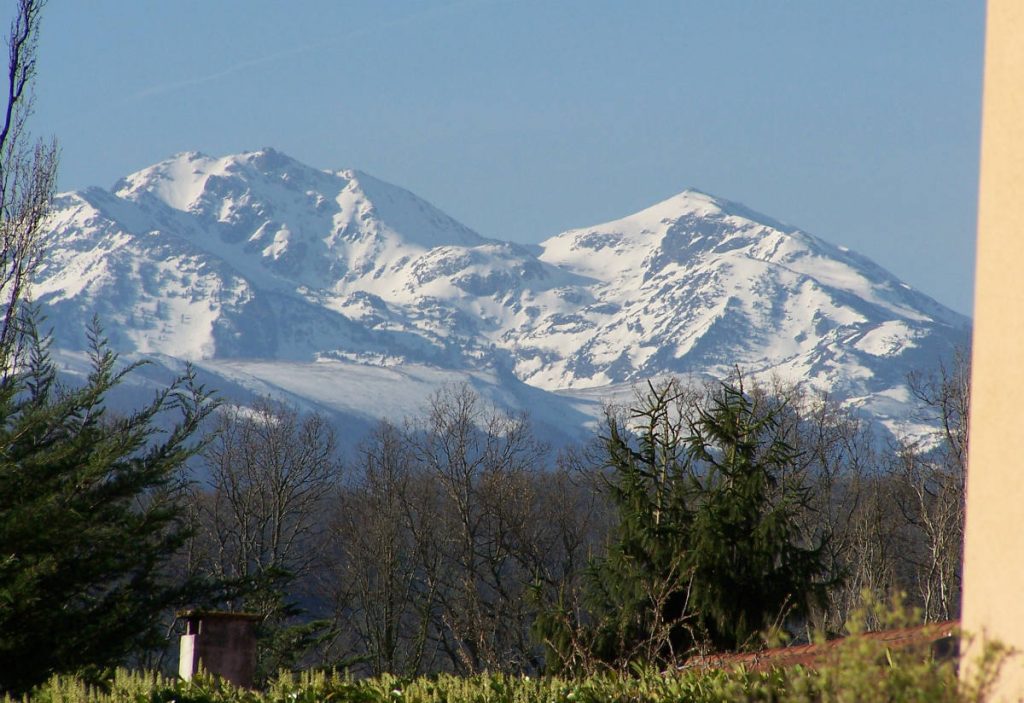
993 604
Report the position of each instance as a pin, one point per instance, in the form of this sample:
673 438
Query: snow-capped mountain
283 278
698 283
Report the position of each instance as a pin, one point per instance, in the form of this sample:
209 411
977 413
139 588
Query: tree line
699 518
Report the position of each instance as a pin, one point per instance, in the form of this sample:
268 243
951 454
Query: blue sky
857 121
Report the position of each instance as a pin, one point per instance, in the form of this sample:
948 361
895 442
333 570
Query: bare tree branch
27 181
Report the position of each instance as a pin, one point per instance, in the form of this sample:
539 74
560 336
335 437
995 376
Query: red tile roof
941 637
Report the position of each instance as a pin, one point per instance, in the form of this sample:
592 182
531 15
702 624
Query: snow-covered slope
695 284
281 277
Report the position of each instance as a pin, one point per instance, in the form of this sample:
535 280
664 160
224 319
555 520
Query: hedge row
862 670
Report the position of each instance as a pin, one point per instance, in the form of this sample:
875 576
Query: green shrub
860 669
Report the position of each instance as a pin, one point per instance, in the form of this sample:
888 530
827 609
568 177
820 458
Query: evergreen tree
636 594
90 503
91 510
706 549
641 586
750 569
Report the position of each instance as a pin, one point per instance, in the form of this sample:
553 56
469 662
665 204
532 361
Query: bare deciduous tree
451 539
259 516
28 173
378 579
484 464
268 469
933 481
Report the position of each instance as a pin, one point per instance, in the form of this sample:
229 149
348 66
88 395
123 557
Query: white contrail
198 80
245 65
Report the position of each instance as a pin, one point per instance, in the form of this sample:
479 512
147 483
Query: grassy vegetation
861 670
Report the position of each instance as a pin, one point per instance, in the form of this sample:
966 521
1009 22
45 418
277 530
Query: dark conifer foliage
639 591
750 567
708 549
90 502
90 512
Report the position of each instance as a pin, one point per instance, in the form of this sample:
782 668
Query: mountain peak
262 187
181 180
623 247
268 214
176 181
688 202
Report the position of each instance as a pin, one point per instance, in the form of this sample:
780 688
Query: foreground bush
859 669
862 670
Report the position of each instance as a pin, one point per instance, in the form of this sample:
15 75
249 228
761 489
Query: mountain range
345 294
